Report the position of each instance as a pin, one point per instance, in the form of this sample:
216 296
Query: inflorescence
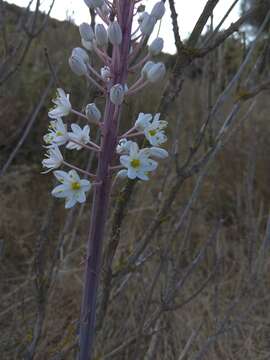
133 162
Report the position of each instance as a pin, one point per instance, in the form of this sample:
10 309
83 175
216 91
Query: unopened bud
81 53
77 65
117 94
105 73
88 45
148 24
101 35
86 32
156 72
158 10
158 152
97 3
105 10
146 68
92 112
94 3
156 46
115 33
142 16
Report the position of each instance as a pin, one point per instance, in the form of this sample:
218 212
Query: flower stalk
102 192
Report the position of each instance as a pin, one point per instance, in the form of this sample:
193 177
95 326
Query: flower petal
61 176
61 191
81 198
76 129
124 160
70 202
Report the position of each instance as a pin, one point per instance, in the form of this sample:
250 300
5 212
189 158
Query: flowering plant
118 156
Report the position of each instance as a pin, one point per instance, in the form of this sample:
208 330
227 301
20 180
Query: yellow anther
152 132
135 163
75 185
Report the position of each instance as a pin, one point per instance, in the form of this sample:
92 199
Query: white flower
137 163
154 132
123 146
63 106
72 188
158 10
117 93
143 121
58 134
115 33
160 123
152 128
79 135
54 159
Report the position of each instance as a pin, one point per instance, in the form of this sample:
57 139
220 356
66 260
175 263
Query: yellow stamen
152 132
135 163
75 185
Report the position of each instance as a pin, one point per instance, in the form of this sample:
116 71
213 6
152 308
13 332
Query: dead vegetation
189 279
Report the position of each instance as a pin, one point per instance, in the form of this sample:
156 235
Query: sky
188 11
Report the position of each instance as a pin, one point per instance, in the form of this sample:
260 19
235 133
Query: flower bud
142 16
146 68
94 3
148 24
97 3
105 10
115 33
77 65
117 94
101 35
81 53
156 72
158 152
158 10
105 73
88 45
156 47
92 112
86 32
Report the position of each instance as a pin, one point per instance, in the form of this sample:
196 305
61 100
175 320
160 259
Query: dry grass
227 224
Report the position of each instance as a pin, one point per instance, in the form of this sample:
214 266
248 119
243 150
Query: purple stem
102 191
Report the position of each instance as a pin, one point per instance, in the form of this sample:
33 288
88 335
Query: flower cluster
133 162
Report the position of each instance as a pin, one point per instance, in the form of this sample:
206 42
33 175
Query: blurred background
199 231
